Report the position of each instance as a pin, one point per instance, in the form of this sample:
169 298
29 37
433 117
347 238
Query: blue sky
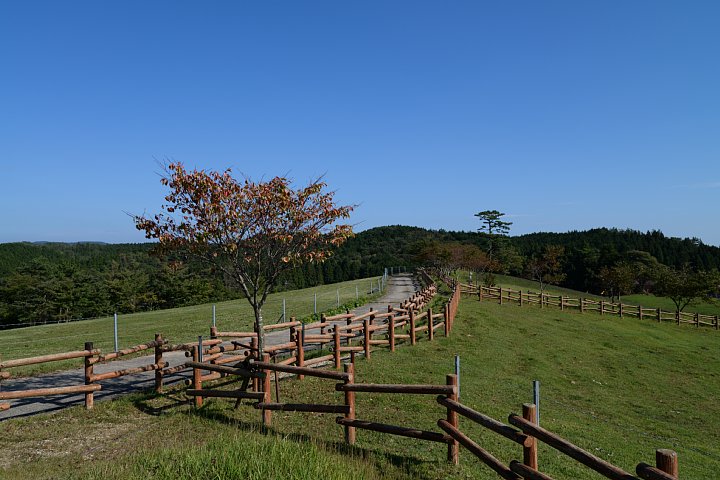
565 115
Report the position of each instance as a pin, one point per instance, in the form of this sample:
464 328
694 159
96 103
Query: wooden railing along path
396 325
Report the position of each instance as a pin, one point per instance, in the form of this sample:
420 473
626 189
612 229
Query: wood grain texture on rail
396 430
42 392
488 459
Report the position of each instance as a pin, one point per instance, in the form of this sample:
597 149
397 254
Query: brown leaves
257 229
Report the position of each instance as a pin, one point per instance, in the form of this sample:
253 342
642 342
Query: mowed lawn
178 325
620 388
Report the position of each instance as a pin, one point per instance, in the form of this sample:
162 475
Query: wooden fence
582 305
91 380
343 334
256 374
527 434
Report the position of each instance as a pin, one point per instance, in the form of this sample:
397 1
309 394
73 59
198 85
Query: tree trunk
260 331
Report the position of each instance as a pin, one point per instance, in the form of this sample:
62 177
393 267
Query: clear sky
563 114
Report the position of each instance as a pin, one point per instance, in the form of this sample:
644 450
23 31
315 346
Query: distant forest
49 282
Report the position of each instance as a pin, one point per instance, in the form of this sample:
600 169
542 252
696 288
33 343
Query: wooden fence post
453 452
336 338
323 322
621 310
372 316
677 316
197 377
158 361
447 319
430 324
520 297
500 295
300 346
350 403
667 461
716 322
411 314
697 320
640 312
602 307
89 397
367 336
582 305
348 322
530 453
391 332
542 300
562 303
267 395
293 338
659 315
480 292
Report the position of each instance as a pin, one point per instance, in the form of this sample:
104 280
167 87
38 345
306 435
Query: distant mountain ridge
90 242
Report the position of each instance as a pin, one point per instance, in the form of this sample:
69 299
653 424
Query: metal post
536 400
214 316
116 335
338 297
200 349
284 317
315 304
357 293
457 373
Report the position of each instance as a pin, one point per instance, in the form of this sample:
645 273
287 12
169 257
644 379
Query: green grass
119 440
647 301
178 325
620 388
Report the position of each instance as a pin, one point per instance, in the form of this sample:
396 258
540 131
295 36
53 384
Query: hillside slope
617 388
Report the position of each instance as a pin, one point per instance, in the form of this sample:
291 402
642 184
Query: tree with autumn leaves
251 231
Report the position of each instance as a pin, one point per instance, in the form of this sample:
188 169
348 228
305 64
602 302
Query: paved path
399 288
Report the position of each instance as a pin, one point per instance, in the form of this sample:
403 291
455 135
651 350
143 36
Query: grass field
647 301
177 325
619 388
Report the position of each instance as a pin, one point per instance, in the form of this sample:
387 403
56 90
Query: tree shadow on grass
176 402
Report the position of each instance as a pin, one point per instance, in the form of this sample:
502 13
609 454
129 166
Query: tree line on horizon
53 282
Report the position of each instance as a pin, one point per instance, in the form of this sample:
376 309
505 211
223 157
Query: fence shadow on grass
406 463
